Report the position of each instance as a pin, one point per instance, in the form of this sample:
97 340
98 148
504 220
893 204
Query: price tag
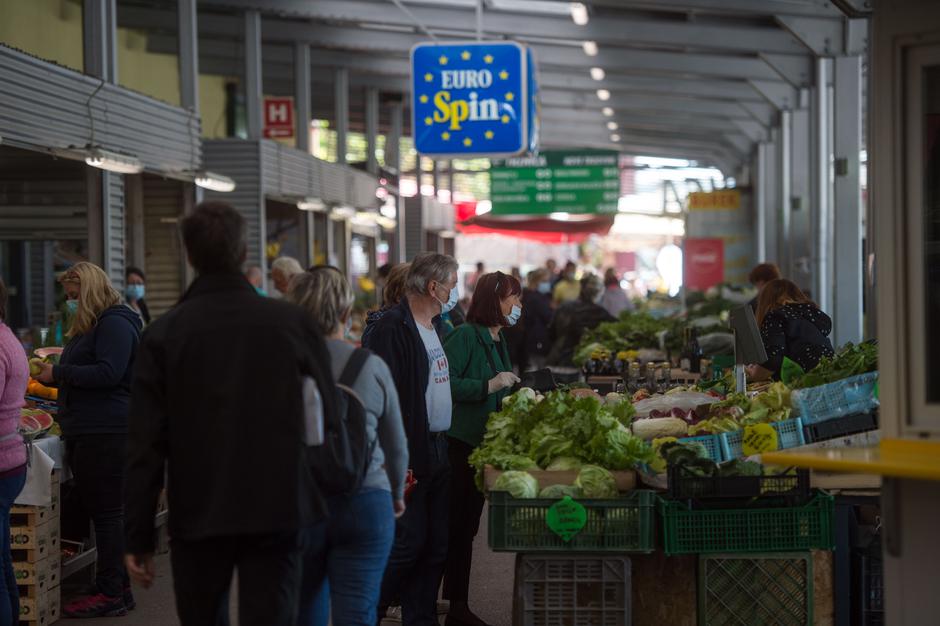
566 518
759 438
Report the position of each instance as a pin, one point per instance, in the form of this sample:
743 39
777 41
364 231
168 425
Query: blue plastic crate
789 435
852 395
712 444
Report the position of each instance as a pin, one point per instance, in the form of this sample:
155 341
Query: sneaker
98 605
129 600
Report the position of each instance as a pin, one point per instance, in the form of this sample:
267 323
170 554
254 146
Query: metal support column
188 55
822 186
800 244
785 187
303 113
450 179
435 177
771 189
393 162
341 102
760 203
100 39
253 93
847 233
372 129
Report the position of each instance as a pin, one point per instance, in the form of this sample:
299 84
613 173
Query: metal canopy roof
697 79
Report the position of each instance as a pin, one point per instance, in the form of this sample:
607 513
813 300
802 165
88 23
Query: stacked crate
34 539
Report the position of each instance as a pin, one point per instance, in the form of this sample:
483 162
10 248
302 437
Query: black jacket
394 336
94 375
536 317
798 331
217 397
570 322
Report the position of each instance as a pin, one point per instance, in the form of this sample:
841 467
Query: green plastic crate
623 524
689 530
755 589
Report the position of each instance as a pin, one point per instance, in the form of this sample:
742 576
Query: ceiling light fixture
311 204
342 212
611 125
579 13
603 94
590 48
597 73
214 182
608 112
615 137
113 161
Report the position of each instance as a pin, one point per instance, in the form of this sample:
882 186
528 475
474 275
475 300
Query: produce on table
632 331
561 425
565 464
36 388
596 482
35 366
519 484
693 457
29 426
737 410
850 360
557 492
654 428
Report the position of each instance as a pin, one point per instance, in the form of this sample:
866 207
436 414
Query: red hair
490 290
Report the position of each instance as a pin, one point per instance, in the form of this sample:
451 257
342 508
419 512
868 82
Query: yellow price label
759 438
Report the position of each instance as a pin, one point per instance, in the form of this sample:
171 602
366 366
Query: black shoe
129 600
98 605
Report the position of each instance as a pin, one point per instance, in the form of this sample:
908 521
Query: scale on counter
748 345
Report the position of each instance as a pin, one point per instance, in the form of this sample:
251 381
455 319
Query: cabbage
557 492
565 463
516 462
519 484
596 482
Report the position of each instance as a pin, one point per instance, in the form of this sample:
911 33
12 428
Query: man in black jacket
217 400
573 318
405 337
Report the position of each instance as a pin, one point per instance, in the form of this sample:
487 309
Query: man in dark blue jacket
405 337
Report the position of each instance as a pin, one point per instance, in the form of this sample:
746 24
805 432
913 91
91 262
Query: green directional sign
556 182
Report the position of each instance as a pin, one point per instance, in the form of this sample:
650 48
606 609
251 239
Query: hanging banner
556 182
703 263
724 200
472 99
278 117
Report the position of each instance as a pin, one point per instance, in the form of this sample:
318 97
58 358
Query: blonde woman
94 377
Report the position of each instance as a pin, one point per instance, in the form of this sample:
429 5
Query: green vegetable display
633 331
565 463
596 482
560 425
850 360
518 484
557 492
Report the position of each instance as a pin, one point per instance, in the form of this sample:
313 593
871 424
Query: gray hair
324 293
429 266
289 266
591 288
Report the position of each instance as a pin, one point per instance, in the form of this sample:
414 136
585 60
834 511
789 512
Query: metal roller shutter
114 227
41 197
163 258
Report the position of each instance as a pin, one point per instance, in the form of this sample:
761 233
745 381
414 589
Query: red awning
539 228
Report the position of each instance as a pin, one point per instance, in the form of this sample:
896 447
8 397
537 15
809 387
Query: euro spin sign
472 99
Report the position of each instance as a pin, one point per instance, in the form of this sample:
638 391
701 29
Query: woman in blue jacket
93 377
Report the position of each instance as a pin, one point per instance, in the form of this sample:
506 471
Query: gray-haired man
406 338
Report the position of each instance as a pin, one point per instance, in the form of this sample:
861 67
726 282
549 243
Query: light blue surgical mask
447 307
134 292
71 306
348 327
545 287
514 315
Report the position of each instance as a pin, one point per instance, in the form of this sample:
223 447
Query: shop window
48 29
286 232
321 239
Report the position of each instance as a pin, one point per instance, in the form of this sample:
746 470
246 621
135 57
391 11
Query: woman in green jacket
480 377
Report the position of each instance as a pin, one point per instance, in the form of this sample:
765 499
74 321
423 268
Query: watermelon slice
45 420
45 352
29 425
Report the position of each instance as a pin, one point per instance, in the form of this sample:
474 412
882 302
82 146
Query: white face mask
448 306
514 315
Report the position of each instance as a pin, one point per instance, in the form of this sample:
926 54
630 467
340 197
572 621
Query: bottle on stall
666 368
685 356
633 377
695 353
660 379
652 384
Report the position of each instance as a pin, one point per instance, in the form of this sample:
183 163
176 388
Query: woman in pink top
14 374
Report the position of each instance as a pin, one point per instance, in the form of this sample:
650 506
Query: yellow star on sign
445 135
443 60
423 99
510 97
504 74
488 58
428 77
505 119
465 55
428 121
468 142
488 134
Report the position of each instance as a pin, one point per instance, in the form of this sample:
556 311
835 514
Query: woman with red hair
480 377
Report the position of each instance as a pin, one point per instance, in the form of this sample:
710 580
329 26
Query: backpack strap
354 365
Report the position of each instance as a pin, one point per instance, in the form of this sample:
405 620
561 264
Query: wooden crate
43 574
25 515
39 607
30 544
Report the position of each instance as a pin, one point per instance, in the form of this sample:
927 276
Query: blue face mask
71 306
134 292
447 307
545 287
514 315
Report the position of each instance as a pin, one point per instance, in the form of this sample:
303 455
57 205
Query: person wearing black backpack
348 555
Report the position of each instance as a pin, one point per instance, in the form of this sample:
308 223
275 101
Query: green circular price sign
566 518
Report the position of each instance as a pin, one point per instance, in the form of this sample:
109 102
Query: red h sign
278 117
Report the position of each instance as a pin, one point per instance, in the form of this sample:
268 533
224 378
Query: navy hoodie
94 375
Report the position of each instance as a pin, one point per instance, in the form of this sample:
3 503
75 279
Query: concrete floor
490 591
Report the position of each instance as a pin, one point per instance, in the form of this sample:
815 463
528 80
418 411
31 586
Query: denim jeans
345 560
10 488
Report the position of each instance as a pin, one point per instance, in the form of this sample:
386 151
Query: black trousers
416 564
466 507
97 464
269 574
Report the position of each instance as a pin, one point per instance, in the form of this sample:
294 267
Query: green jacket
470 373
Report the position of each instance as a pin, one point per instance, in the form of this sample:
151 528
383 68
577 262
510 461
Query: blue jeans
345 560
10 488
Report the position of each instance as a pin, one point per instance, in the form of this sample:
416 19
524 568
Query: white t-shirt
438 396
